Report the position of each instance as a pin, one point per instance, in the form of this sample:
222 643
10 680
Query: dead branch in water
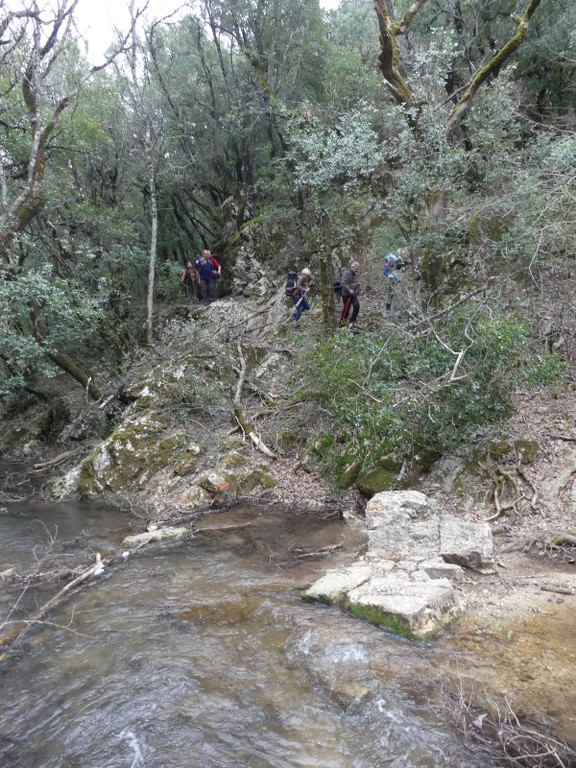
17 628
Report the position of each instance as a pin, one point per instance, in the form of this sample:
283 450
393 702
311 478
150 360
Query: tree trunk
65 363
153 234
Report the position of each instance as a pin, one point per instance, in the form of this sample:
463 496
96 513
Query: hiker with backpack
207 274
297 285
392 263
350 290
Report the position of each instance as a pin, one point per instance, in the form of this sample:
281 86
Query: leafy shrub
404 395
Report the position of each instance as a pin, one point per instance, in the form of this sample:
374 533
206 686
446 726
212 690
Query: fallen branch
20 626
57 459
240 415
249 430
558 590
322 552
567 438
529 482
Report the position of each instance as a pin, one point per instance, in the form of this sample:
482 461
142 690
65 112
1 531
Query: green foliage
345 154
402 395
40 313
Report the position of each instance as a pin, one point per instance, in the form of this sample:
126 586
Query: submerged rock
161 534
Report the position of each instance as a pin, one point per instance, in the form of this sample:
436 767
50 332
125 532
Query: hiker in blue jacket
392 263
205 269
299 297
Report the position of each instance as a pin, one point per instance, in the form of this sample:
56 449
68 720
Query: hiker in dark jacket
204 269
299 296
350 293
188 279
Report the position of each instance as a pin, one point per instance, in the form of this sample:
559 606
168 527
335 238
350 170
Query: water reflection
204 655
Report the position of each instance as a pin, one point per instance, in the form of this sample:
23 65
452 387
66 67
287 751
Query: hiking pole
345 310
295 308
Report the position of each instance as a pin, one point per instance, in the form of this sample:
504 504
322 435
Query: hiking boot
297 327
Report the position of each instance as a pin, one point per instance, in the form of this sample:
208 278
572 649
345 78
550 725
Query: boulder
405 580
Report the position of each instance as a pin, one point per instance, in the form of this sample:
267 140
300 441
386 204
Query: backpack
337 284
214 274
389 264
290 284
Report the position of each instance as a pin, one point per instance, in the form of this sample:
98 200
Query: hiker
350 293
392 263
205 272
216 268
299 297
188 279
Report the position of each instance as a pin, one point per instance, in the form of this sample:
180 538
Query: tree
417 107
40 83
35 39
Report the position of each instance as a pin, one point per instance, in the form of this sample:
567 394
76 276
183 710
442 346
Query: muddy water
203 655
518 640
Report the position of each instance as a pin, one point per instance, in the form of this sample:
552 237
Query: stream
202 654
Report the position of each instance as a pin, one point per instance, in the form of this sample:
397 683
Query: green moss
258 477
287 438
233 459
526 450
348 475
372 615
498 448
130 457
15 436
376 479
189 460
231 444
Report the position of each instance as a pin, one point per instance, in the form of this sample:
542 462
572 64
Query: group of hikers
348 286
203 273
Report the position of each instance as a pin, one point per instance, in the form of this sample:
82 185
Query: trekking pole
295 307
345 310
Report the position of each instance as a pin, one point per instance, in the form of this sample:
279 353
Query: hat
306 271
355 265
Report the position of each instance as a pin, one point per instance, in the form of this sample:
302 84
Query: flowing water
202 654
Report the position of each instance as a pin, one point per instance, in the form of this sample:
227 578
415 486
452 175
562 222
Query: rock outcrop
407 578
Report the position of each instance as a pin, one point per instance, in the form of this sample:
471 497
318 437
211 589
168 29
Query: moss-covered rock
259 477
232 460
497 449
527 450
189 460
287 439
316 451
130 456
376 479
348 475
16 436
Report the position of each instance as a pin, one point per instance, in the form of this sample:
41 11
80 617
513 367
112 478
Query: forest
310 138
282 136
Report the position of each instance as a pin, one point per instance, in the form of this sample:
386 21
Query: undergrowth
419 395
